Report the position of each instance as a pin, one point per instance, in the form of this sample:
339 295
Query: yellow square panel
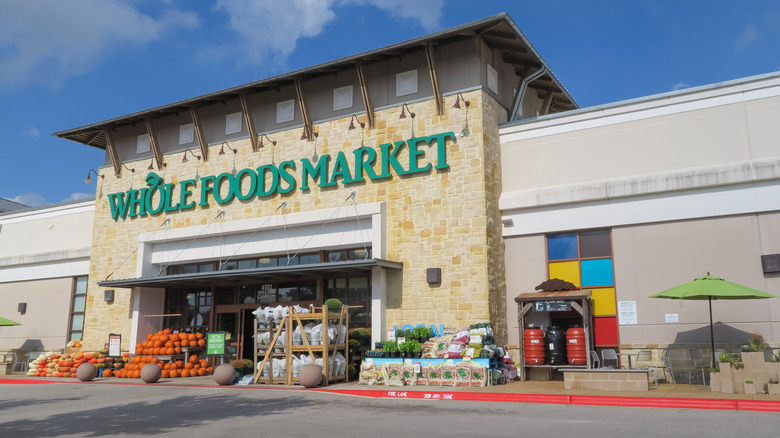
603 301
567 271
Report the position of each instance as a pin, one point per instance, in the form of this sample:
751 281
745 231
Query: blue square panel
562 246
597 272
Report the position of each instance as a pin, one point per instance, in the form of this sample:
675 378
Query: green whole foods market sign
270 179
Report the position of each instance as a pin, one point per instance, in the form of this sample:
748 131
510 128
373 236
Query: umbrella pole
712 334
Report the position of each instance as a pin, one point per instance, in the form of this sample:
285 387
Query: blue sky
65 64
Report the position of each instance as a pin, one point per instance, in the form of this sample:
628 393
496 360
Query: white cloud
30 199
274 27
33 132
49 41
77 197
748 35
680 85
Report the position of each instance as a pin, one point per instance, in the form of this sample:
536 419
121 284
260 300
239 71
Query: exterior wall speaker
108 295
22 308
770 263
433 275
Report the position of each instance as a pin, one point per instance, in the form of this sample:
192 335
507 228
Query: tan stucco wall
436 219
45 324
705 137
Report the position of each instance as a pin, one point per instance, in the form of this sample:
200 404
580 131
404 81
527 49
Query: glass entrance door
228 322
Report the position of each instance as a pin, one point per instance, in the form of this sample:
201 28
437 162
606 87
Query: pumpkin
170 351
165 374
194 358
185 343
174 374
201 342
185 373
107 373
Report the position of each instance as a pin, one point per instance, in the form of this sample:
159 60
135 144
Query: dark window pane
229 266
206 267
247 294
225 295
562 246
292 261
307 291
308 259
595 244
359 254
247 264
189 269
287 292
266 293
337 256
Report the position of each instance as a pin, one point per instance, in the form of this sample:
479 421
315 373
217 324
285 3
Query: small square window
406 83
144 144
187 133
233 123
285 111
342 98
492 79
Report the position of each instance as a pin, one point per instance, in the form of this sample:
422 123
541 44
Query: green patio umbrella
711 288
6 322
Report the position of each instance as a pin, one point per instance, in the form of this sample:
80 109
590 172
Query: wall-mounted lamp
433 275
151 165
22 308
403 113
118 174
457 101
89 180
108 295
352 124
273 142
184 157
222 149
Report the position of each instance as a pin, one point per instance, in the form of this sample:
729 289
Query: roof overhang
499 32
243 276
550 296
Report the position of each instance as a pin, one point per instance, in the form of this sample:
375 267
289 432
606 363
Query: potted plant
417 350
753 352
242 366
390 348
404 349
354 347
714 379
333 305
422 334
773 387
750 387
361 335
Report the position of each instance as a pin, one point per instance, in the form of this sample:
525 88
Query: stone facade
440 218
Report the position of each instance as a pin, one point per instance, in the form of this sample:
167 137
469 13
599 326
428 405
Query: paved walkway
666 395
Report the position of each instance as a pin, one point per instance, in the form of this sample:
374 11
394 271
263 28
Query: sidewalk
553 392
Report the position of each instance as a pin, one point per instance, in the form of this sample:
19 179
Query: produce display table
485 362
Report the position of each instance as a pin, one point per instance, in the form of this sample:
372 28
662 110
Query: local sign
272 179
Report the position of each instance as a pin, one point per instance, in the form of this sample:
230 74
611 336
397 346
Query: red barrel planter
533 346
576 353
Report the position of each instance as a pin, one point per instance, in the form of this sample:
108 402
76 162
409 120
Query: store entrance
237 323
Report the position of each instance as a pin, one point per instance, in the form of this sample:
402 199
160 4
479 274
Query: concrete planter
753 357
715 382
750 388
774 388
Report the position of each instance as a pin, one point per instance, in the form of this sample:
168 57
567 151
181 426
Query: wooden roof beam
434 79
366 97
250 123
112 152
204 148
153 142
308 128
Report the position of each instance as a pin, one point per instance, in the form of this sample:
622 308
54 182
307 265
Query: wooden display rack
326 350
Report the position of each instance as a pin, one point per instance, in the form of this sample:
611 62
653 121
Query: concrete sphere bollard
224 374
151 373
310 376
86 372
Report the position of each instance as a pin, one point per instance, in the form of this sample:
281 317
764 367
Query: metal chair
594 359
698 362
609 354
20 361
646 356
667 364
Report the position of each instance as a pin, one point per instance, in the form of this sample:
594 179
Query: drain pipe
523 88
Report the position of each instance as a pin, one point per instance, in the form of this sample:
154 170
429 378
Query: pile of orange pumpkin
164 342
173 369
65 365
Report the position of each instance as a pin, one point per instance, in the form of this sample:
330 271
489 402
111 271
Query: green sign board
215 344
423 154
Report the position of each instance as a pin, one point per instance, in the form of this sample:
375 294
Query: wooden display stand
327 351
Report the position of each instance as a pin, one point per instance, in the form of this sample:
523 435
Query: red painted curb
654 402
462 396
22 382
757 405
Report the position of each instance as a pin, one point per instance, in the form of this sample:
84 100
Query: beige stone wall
434 219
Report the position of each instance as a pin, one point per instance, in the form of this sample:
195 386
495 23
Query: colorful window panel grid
585 260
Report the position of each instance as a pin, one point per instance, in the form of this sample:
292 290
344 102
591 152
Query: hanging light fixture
118 174
184 157
303 134
457 101
151 165
222 149
261 145
91 171
352 122
403 113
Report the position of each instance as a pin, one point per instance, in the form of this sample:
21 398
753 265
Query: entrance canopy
234 277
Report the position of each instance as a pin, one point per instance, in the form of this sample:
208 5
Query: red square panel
605 331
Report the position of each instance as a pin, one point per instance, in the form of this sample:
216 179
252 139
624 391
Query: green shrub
333 305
